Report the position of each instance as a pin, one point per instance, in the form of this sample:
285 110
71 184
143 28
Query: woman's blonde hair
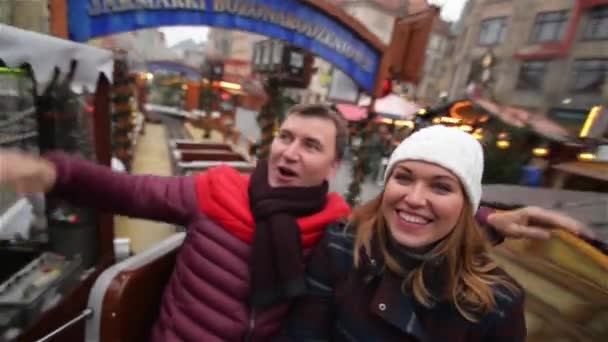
469 270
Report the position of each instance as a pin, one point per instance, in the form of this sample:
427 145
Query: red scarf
222 194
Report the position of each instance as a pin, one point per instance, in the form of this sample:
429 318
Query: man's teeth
413 219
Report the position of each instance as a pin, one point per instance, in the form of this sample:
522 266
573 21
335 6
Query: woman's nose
416 195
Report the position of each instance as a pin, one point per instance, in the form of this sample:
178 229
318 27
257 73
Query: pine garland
361 163
122 113
268 116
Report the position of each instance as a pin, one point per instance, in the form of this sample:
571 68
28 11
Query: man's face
304 152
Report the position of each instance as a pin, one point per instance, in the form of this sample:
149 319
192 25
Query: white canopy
43 53
393 105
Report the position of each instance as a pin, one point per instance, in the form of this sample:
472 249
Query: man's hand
26 173
535 223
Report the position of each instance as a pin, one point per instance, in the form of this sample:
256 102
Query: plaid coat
345 303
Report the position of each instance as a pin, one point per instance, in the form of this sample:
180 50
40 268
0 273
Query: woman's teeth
413 219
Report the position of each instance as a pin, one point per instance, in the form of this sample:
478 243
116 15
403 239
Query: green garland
272 113
122 93
361 167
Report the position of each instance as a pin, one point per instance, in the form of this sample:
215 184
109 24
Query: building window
570 119
597 26
588 75
549 27
434 42
532 75
492 31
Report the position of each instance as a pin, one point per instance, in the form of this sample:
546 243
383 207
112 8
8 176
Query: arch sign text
298 22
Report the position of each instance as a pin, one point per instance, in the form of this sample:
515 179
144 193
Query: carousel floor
151 157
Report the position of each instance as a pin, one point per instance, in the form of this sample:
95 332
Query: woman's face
421 203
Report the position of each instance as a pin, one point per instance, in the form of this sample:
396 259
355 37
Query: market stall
54 95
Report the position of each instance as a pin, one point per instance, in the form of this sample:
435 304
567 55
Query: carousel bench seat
200 166
207 155
126 297
186 144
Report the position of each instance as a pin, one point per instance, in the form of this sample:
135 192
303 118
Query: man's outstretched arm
170 199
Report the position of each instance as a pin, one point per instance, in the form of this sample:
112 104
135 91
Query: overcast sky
450 10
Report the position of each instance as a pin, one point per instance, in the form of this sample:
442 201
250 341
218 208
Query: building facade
231 44
32 15
378 16
434 83
190 53
140 46
548 56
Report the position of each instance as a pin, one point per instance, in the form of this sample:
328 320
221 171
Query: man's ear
334 168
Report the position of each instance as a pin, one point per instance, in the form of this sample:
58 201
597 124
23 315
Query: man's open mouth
286 172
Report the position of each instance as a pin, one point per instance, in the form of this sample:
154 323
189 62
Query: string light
591 118
478 134
503 141
466 128
586 156
540 152
503 144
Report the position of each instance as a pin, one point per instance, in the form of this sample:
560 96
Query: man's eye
313 146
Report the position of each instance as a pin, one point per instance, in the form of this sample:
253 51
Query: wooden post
268 115
58 17
103 153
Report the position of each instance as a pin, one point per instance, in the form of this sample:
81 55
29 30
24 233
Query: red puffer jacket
206 298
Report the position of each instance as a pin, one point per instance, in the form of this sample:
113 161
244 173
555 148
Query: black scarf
276 265
435 275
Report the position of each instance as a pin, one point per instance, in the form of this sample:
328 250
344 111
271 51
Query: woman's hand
535 223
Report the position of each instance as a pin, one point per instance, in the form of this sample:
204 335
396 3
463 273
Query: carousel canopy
45 53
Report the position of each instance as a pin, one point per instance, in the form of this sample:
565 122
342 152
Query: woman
412 265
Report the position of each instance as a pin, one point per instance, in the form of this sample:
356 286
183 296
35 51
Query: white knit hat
450 148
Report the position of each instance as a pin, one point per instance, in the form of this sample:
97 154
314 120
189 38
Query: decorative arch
315 25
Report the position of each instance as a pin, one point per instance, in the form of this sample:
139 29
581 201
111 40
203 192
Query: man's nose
292 151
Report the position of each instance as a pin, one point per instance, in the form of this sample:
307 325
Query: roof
45 53
519 117
442 27
387 5
595 170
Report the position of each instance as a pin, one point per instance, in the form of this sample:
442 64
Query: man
241 261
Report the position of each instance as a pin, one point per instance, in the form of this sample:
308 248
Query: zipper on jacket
249 334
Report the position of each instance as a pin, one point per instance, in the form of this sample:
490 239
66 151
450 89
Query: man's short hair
325 112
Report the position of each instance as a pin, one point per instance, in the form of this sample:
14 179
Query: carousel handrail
104 281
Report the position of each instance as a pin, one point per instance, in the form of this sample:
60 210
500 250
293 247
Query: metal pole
86 313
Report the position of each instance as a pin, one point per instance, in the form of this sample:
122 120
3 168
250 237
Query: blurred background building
550 56
32 15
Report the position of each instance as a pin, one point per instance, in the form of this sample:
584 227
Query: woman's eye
442 188
403 178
